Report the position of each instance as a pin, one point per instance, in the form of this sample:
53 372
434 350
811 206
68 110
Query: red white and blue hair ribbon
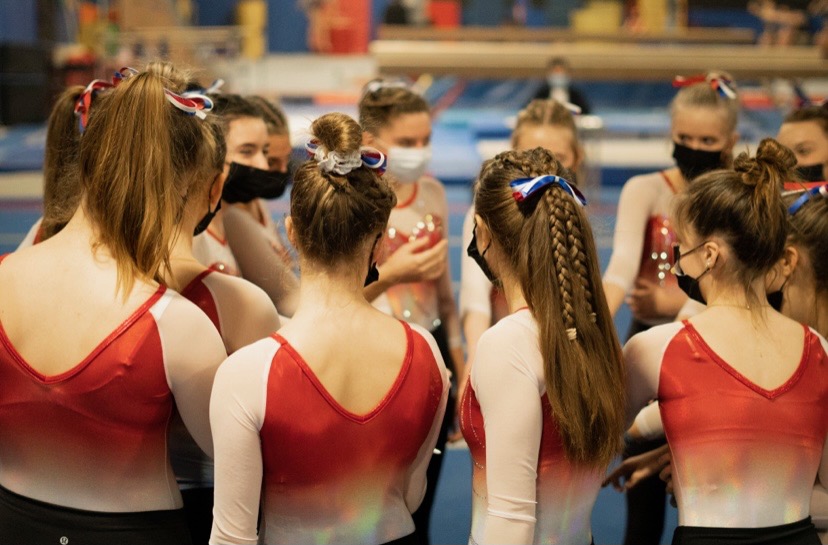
524 188
84 102
190 103
342 164
717 82
821 190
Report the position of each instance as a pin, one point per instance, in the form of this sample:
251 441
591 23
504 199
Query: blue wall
18 21
287 24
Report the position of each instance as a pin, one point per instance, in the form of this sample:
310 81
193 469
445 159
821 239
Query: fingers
418 244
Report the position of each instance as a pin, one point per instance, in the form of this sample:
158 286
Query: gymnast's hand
635 469
414 262
648 300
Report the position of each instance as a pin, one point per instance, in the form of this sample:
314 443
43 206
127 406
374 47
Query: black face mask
479 258
690 286
775 298
245 183
205 221
373 271
694 162
811 173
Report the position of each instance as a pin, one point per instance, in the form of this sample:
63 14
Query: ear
376 248
579 155
782 269
711 253
484 234
216 188
291 234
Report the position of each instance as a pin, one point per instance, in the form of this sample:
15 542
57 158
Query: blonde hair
334 214
703 95
547 112
140 159
551 249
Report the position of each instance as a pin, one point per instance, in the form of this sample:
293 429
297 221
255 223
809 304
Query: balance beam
591 61
521 34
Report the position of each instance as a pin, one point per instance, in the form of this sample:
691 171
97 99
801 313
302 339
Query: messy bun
744 206
334 214
382 101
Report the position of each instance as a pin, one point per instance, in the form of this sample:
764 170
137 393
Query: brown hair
229 107
381 102
543 112
552 252
333 213
274 117
140 158
702 95
809 229
809 113
743 206
61 186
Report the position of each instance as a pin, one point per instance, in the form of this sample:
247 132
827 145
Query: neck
514 293
217 225
678 181
327 291
732 295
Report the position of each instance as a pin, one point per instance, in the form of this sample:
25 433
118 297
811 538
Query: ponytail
551 250
139 157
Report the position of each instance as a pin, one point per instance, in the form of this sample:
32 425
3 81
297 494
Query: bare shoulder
432 186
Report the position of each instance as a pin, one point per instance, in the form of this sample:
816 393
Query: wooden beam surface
591 61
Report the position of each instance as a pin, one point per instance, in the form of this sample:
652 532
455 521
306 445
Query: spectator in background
396 14
558 86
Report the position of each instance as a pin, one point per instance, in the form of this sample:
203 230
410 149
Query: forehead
246 129
792 133
558 140
411 124
700 121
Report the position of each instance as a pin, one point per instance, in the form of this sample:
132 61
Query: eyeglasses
677 255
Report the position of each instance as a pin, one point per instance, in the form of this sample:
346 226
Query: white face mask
408 164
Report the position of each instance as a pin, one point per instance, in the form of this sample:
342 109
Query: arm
410 263
191 366
237 412
258 262
247 313
634 208
643 355
647 424
510 401
415 484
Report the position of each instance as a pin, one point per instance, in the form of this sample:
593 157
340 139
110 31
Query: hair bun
337 132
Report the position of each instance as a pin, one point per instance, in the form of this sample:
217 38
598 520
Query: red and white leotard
95 436
524 488
326 475
743 456
214 252
643 239
415 302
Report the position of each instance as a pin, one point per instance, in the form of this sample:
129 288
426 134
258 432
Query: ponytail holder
806 196
342 164
718 83
190 103
523 188
84 102
375 86
214 87
571 333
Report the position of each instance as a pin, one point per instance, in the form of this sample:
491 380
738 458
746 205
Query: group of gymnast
178 368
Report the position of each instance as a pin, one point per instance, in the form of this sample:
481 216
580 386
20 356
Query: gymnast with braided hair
543 412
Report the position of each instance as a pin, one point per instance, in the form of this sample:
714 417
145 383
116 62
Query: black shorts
24 521
796 533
